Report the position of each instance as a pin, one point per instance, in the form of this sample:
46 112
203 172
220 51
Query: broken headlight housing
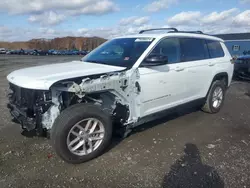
47 96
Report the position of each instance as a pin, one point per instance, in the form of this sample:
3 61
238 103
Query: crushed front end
27 107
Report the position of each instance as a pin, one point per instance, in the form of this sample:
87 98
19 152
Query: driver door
163 86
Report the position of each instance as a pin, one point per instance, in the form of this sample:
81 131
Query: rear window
215 49
193 49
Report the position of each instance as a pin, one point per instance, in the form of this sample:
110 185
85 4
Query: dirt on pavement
193 145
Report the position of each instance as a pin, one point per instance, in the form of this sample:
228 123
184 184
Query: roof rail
158 29
172 30
198 32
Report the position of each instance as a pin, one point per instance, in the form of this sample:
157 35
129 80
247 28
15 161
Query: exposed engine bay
116 93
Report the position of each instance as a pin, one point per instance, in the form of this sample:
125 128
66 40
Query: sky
22 20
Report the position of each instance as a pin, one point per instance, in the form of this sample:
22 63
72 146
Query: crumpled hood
42 77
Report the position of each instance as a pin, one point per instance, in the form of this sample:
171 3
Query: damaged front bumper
27 106
19 115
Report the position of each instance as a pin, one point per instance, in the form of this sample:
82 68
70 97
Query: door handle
211 64
179 69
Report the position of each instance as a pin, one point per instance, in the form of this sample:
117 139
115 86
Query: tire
61 132
210 105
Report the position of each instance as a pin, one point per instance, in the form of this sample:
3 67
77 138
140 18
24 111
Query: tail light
233 60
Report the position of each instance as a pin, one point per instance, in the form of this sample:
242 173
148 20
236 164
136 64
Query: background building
238 44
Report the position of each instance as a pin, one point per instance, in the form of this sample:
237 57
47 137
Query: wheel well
221 76
107 101
110 104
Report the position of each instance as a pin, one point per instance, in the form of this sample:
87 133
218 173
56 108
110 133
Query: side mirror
155 60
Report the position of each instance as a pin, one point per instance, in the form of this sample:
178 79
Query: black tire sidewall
210 97
75 114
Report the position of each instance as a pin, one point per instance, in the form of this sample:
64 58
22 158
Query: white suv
121 84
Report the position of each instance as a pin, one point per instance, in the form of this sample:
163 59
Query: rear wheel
215 97
81 133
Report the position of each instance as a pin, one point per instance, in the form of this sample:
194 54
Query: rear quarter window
215 49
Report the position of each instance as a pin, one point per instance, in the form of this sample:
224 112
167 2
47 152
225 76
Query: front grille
15 95
21 97
29 99
27 107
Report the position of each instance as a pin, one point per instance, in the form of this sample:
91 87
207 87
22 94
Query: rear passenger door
195 59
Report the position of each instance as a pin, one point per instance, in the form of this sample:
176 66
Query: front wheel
81 133
215 97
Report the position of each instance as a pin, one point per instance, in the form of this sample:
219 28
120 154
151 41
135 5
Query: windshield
122 52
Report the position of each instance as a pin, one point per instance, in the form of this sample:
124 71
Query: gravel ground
189 148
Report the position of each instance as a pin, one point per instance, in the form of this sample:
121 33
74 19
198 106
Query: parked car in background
17 52
242 67
9 52
29 52
2 51
63 52
68 52
83 52
20 52
45 52
51 51
58 52
54 52
75 52
41 52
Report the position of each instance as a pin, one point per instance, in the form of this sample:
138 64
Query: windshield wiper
98 62
94 62
103 63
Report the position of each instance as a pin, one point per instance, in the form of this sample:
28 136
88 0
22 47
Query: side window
193 49
215 49
169 47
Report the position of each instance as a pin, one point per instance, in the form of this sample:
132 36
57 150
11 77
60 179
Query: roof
234 36
173 34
